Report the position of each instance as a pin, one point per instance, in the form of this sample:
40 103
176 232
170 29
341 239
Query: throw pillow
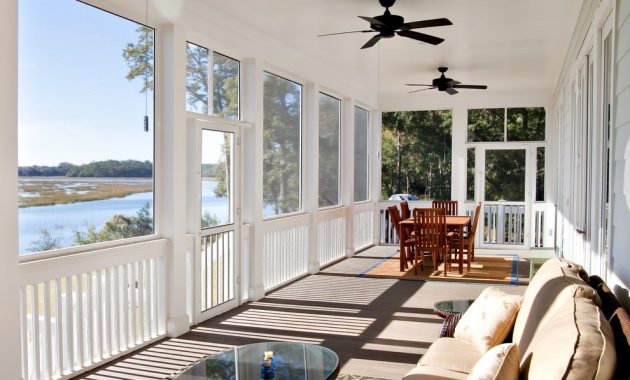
489 319
499 363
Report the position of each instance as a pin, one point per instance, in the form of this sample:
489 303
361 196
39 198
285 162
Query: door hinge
238 141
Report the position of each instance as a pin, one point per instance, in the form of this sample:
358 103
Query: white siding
620 249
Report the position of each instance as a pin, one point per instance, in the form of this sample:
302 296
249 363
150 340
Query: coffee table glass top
293 361
452 306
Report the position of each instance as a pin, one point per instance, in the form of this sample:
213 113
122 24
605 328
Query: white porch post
376 119
347 171
252 168
458 155
310 170
9 320
173 189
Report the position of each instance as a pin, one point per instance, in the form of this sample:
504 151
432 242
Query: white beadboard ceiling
516 47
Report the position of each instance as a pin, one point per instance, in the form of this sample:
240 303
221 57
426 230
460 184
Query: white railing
331 235
79 311
284 250
363 225
543 224
217 268
504 223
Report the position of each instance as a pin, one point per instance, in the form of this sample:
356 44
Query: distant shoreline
49 191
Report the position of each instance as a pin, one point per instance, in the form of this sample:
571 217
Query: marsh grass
46 192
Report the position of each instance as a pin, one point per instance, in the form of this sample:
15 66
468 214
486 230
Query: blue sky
75 104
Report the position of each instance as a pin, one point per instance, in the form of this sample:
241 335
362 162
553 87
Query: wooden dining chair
469 238
430 238
449 206
404 210
408 245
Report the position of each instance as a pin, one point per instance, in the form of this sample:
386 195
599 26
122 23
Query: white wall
568 118
620 250
9 318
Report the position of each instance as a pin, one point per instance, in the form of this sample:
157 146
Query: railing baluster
150 301
70 351
89 340
140 301
59 327
35 318
98 320
133 336
107 328
125 309
46 348
115 332
24 332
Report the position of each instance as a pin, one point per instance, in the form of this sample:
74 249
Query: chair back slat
449 206
395 218
473 229
404 210
430 228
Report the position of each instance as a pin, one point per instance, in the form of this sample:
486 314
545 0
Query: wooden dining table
453 222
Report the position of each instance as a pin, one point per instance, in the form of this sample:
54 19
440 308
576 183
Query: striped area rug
485 269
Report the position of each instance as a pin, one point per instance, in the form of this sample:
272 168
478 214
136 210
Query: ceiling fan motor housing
387 3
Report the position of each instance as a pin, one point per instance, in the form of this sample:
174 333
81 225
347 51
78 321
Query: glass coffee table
451 311
294 361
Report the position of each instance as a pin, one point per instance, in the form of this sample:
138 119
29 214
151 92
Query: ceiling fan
388 25
446 84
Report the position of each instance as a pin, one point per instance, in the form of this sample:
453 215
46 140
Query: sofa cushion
575 342
442 354
489 319
426 372
499 363
619 320
554 285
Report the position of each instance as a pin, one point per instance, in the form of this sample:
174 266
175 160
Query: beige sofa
559 330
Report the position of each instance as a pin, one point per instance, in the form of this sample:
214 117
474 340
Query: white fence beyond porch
502 224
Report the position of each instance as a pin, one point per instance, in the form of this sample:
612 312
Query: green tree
416 154
328 150
208 220
118 227
281 144
197 78
47 240
139 57
486 124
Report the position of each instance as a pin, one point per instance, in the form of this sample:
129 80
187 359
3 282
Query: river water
62 220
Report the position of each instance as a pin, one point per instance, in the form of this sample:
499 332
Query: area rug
495 269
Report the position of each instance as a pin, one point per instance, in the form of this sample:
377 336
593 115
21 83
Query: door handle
581 232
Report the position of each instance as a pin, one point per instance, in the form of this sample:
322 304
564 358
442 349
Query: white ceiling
513 46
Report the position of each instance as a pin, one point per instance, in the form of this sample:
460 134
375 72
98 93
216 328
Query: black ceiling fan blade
371 42
372 20
471 86
426 23
422 89
421 37
453 82
354 31
452 91
418 84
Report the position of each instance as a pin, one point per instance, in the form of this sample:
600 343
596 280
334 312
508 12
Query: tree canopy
416 154
281 144
106 169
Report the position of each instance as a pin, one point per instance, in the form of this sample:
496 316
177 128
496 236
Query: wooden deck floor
378 327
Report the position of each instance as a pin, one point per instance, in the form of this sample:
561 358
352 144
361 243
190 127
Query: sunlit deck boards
378 327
